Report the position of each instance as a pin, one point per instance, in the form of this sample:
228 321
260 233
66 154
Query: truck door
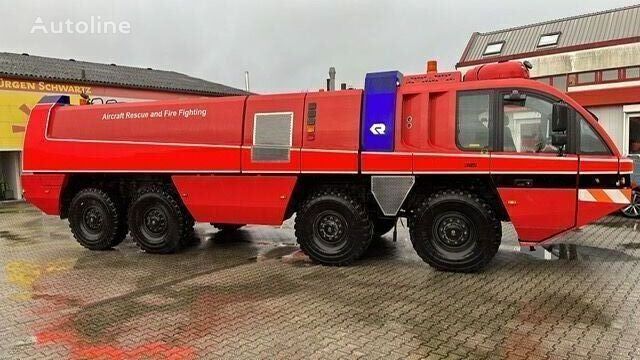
537 185
273 134
598 192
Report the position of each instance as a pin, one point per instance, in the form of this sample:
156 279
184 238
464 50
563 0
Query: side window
473 120
527 124
590 141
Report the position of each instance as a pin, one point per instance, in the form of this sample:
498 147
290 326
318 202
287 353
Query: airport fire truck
453 154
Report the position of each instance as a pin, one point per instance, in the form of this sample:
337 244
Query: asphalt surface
234 297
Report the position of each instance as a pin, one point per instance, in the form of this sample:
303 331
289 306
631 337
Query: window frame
618 79
595 78
491 125
485 51
579 137
556 33
499 121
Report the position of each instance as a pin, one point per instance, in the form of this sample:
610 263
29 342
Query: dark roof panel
583 30
44 68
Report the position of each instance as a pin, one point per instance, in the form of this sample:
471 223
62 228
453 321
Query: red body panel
236 199
538 214
43 191
331 141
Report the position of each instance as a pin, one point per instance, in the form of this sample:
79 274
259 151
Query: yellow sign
15 107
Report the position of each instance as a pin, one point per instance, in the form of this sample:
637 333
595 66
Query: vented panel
391 191
272 136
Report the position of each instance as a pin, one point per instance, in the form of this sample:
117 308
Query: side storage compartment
236 199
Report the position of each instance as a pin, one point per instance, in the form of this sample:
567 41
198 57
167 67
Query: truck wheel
455 230
96 221
228 227
158 223
382 226
333 227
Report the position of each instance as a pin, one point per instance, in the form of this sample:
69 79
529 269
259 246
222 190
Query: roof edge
596 13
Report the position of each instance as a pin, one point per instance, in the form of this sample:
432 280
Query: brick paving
233 297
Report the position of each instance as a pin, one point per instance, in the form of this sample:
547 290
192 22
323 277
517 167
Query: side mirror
559 140
559 118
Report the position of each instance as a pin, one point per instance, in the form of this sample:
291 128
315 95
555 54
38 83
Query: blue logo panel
379 110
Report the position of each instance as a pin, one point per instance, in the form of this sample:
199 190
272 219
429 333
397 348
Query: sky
286 45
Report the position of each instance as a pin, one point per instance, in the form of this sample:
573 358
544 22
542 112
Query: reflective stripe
610 196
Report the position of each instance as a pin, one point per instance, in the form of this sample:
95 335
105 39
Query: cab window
526 124
473 120
590 141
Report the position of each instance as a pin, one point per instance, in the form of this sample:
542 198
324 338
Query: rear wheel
96 220
158 223
333 227
633 210
455 230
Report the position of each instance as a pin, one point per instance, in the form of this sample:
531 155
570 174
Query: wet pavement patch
216 301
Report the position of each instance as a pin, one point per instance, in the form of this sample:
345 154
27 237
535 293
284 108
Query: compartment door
273 134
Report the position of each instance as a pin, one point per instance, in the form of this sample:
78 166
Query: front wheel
455 230
633 211
333 227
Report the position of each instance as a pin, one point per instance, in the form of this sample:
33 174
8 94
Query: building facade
595 58
25 79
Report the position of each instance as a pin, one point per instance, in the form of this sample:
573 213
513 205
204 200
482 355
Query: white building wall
612 120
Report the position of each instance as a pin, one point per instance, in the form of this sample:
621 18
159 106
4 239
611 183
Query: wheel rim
454 235
155 224
330 230
93 220
633 210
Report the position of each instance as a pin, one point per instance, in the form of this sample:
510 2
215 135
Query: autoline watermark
94 25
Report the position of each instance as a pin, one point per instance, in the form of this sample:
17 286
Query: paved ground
233 297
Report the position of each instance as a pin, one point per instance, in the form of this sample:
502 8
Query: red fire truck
454 155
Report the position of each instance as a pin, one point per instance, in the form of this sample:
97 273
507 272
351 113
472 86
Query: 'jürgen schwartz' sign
41 86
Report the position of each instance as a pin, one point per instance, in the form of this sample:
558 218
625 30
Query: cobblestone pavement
234 297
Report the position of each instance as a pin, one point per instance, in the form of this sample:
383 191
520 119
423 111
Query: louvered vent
272 137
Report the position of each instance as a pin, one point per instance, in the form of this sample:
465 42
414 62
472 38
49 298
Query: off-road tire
228 227
455 230
96 219
159 224
382 226
333 227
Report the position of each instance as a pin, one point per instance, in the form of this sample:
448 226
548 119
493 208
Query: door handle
523 182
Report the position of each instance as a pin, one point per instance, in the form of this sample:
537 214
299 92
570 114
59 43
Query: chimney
246 81
332 79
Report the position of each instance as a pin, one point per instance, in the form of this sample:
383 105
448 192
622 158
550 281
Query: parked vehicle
456 156
633 209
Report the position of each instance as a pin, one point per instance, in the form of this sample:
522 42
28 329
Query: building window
632 73
586 78
544 80
548 40
493 48
560 82
610 75
634 135
473 120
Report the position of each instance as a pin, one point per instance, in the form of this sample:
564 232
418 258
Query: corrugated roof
52 69
590 30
